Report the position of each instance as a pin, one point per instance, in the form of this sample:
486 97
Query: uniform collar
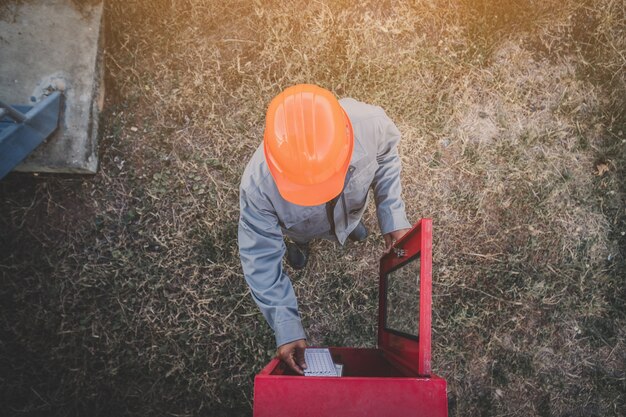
358 152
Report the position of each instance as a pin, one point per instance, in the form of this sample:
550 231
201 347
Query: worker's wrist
392 221
289 331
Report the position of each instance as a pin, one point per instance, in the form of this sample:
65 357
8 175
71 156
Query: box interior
358 362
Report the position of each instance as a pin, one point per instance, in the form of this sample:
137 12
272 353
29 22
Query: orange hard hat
308 144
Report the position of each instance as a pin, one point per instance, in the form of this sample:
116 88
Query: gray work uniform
266 217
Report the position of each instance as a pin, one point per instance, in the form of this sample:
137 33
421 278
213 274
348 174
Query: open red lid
404 307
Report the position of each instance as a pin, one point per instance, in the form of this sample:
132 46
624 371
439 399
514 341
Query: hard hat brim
313 194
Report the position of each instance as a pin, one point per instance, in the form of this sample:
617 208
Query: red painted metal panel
409 352
426 249
297 396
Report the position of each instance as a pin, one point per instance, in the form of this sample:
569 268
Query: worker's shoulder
358 111
256 180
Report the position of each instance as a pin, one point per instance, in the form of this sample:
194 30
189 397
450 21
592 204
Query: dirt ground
122 293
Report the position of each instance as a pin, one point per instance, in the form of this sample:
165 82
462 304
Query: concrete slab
48 45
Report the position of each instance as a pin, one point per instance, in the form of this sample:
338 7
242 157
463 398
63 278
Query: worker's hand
393 237
293 355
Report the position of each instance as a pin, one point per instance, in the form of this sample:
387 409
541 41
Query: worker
309 179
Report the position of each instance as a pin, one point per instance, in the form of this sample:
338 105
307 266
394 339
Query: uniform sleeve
261 249
387 189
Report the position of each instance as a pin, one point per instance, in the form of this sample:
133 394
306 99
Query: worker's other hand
393 237
293 355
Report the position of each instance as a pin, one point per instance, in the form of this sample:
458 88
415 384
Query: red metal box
393 379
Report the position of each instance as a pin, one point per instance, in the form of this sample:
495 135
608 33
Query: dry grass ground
122 293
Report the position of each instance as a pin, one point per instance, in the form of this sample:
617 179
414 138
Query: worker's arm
387 189
261 249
